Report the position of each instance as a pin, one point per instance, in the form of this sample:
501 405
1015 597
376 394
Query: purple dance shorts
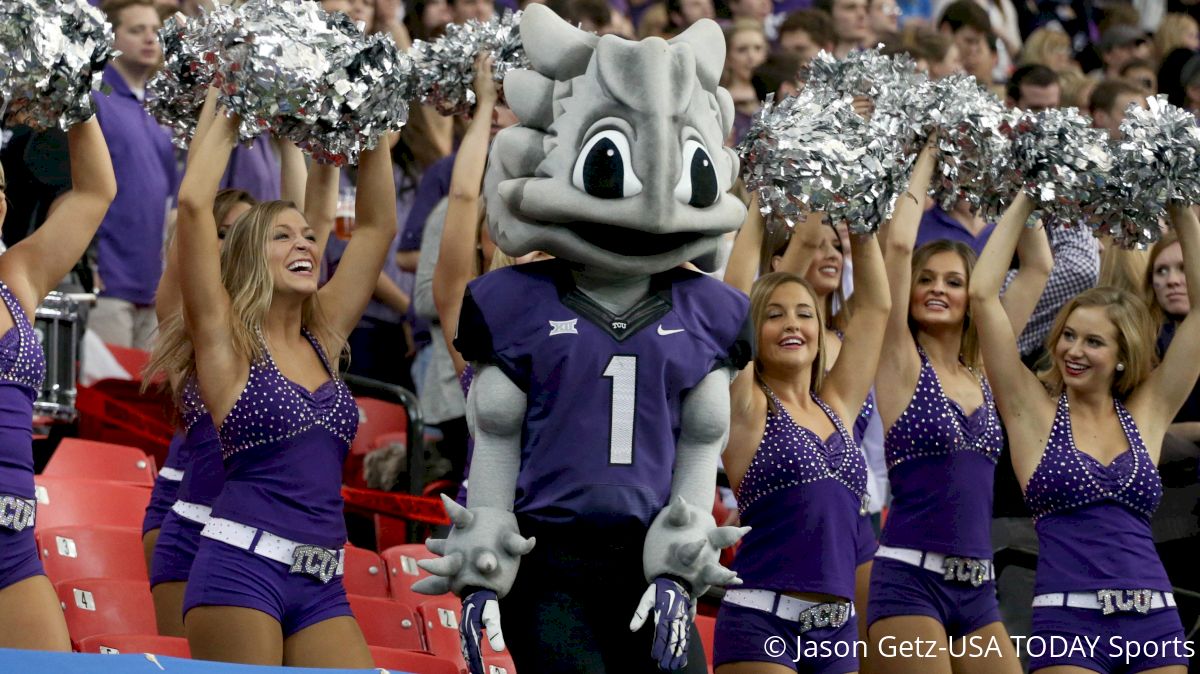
899 589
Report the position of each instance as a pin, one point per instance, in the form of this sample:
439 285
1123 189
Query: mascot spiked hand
600 403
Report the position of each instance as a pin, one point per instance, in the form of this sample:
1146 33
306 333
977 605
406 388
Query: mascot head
618 162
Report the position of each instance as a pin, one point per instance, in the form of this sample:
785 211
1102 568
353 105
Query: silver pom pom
967 118
445 69
177 90
809 152
1060 161
52 56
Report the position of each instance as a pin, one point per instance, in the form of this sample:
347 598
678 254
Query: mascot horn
600 403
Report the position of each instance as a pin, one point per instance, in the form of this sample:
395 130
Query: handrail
374 388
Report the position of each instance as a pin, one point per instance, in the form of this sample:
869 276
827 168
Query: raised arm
320 200
898 372
1027 284
1019 395
293 174
1157 400
850 380
747 249
347 293
456 256
33 267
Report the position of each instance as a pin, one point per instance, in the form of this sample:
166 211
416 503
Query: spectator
806 32
753 10
1076 89
883 21
1141 72
426 19
747 50
969 25
934 53
683 13
1166 292
1120 45
1170 76
777 76
1109 101
1002 20
849 23
1177 30
464 10
1049 47
960 223
129 244
1034 88
654 22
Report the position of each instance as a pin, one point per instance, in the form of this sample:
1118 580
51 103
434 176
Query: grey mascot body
600 404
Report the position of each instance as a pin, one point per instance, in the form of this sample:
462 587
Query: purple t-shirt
435 184
130 241
604 392
938 224
254 169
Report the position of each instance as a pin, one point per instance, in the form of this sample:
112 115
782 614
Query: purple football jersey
604 392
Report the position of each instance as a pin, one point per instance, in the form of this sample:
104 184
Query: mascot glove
674 612
482 552
684 542
481 611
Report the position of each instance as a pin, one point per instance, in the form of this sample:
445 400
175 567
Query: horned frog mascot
600 403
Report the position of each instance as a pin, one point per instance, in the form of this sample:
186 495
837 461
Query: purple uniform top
604 392
1092 520
22 370
283 447
801 494
130 240
205 474
254 169
165 490
941 464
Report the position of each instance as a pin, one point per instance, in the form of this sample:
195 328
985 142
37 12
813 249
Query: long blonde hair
760 298
246 277
1136 334
1169 35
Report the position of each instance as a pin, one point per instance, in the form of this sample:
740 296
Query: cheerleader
28 272
1085 439
933 577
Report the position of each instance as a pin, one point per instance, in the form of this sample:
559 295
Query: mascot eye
698 183
603 169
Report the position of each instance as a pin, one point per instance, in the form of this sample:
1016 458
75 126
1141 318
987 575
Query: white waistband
930 561
788 608
192 511
269 545
172 474
1091 600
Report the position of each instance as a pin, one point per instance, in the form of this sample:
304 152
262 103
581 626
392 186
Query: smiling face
939 291
791 327
1088 350
1169 281
825 272
292 254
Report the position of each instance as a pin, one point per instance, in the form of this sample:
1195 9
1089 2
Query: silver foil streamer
1157 162
287 67
1059 160
968 119
52 56
444 69
176 92
810 152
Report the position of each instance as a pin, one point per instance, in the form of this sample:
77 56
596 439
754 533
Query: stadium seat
401 561
376 418
63 501
497 663
365 573
386 623
95 460
72 552
95 606
411 661
439 616
118 644
706 626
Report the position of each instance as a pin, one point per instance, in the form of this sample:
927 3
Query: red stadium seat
706 626
92 552
95 460
376 418
117 644
390 531
95 606
386 623
439 616
410 661
401 561
365 573
497 663
63 501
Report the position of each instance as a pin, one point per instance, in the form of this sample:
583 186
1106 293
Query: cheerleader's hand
674 611
684 542
482 552
481 611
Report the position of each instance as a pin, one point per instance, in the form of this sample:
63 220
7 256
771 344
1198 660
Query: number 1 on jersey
623 372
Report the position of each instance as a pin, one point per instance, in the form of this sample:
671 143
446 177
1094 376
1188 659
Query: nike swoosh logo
665 332
671 599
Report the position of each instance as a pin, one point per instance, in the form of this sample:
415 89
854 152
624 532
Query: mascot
600 403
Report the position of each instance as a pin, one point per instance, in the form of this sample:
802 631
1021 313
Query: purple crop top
22 371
